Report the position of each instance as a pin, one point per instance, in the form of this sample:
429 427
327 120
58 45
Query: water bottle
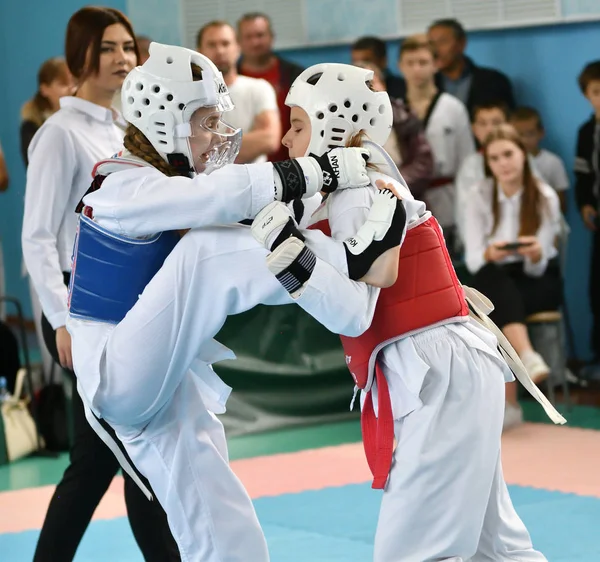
4 394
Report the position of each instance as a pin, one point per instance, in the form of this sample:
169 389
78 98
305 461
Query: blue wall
543 63
28 36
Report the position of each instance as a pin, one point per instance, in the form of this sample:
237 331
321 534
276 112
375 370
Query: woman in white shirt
512 222
54 82
100 51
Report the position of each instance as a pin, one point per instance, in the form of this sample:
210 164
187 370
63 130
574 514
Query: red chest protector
427 293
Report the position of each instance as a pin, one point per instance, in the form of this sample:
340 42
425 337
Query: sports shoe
537 368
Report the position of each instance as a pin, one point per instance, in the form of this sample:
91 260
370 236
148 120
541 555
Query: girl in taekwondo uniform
147 296
100 51
431 372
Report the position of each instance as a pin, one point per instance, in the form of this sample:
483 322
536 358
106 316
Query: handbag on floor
19 428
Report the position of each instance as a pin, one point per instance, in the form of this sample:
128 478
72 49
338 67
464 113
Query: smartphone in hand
512 246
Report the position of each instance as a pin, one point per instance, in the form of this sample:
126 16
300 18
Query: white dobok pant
150 378
446 498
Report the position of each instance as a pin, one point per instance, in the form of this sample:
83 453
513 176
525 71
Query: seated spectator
447 128
484 119
374 50
459 75
256 36
528 123
255 111
512 222
54 82
587 173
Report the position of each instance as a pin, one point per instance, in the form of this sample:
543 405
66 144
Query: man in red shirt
255 36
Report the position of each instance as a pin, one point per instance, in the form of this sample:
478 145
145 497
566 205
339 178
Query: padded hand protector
343 168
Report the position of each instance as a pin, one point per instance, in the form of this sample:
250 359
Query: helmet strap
180 162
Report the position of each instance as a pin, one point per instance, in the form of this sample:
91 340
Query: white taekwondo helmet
339 103
161 96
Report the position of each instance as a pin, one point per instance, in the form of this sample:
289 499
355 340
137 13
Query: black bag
10 362
52 403
52 415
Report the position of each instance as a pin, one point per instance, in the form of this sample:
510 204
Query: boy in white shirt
528 123
446 123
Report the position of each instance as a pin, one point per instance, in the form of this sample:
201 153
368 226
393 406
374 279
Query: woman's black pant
516 295
91 470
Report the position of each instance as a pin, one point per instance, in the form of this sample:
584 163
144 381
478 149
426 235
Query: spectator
587 185
407 144
484 119
143 44
255 34
255 111
509 208
459 75
374 50
54 82
100 50
447 128
528 123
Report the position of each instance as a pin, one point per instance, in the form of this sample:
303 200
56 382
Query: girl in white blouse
100 50
512 223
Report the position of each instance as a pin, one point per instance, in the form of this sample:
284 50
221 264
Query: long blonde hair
138 145
38 108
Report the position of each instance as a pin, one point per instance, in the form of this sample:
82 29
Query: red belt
440 182
378 432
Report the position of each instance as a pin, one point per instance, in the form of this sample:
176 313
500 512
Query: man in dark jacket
587 195
373 50
459 75
255 36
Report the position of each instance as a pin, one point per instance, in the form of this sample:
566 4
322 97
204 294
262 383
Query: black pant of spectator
89 474
595 294
516 295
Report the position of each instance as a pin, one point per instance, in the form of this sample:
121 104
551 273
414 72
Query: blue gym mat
324 526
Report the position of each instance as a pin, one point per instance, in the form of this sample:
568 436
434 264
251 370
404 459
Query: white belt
480 307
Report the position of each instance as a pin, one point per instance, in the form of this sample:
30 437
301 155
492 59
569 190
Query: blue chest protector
111 271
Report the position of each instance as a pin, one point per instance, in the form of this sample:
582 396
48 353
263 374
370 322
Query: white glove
290 251
343 167
378 221
269 223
